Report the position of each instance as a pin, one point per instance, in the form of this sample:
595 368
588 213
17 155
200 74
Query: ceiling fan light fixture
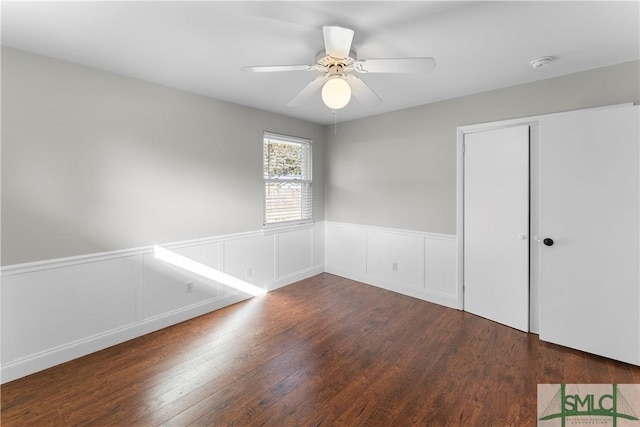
336 93
337 64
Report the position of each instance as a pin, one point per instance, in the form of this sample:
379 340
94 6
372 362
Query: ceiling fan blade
399 65
362 92
308 90
337 41
277 68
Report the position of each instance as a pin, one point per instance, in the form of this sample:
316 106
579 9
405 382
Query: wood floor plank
241 354
324 351
385 338
336 335
334 309
387 373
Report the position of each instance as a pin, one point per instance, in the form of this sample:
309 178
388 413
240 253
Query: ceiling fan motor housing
333 65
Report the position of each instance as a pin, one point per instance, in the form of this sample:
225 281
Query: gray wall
398 170
93 161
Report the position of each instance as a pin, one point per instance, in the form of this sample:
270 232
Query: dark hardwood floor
325 351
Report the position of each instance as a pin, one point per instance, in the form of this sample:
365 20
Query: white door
589 195
496 225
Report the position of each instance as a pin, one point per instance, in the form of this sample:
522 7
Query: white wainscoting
421 265
57 310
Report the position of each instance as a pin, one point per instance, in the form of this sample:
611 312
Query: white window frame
305 181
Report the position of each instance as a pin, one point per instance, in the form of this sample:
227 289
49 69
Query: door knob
548 241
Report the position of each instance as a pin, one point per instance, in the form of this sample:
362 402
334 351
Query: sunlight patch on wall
205 271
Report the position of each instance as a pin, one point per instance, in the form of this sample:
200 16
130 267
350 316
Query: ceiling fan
338 64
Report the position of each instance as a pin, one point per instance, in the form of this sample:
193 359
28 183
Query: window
287 179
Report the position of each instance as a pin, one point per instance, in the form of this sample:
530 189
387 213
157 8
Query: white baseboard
46 359
423 294
293 278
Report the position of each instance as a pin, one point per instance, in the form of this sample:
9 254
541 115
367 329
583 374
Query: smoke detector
543 61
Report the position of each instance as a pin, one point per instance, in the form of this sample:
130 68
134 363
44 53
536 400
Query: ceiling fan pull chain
335 122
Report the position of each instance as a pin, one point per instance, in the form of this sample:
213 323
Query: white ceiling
202 46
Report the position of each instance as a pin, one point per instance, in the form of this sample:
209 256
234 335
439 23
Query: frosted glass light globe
336 93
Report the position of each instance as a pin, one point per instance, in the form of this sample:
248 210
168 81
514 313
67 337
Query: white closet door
496 225
589 195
